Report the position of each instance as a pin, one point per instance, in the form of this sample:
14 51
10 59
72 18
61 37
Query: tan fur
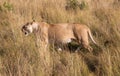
63 33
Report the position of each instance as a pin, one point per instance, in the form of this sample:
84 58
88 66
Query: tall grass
19 55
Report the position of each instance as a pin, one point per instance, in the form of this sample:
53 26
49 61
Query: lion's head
29 27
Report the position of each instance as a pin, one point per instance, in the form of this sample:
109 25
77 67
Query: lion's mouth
26 34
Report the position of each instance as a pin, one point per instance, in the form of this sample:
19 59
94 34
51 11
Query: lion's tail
90 35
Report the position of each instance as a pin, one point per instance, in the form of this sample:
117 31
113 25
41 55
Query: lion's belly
65 36
61 38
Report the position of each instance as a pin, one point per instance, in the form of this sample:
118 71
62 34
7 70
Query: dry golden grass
19 55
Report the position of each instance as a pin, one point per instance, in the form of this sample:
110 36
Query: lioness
59 34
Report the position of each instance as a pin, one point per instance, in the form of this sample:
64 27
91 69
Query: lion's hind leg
86 45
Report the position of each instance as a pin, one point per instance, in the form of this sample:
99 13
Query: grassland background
19 55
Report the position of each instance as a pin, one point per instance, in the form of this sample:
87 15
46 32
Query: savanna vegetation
19 55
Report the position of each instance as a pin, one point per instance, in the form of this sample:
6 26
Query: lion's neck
35 26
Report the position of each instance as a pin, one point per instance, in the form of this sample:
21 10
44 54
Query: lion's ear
33 20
